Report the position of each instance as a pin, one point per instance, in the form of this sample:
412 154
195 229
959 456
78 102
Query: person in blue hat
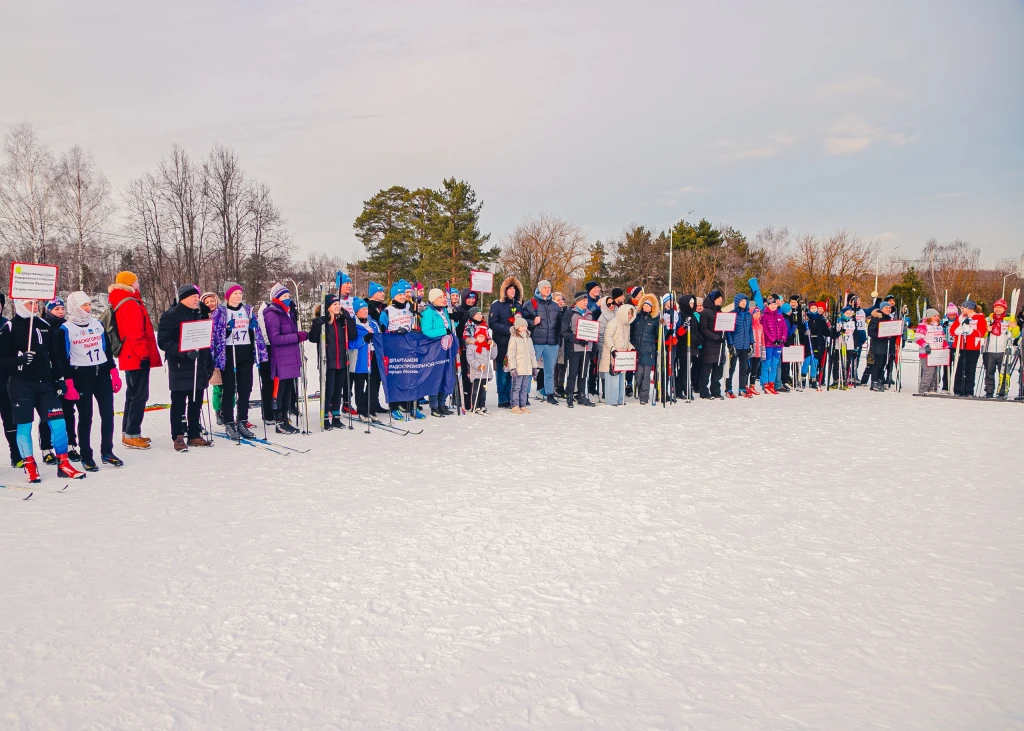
365 385
376 301
347 299
399 318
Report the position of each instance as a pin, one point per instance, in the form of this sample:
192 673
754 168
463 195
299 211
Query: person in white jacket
522 363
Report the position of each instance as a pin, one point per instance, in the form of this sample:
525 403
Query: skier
338 330
756 350
435 324
522 363
138 355
643 335
687 345
362 362
212 302
860 337
53 313
776 328
817 340
238 346
188 373
560 362
969 330
35 385
1002 330
930 336
399 318
460 316
285 340
375 301
89 371
576 352
845 334
739 342
346 299
10 426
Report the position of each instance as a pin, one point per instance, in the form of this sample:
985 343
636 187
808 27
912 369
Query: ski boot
327 423
730 394
336 422
73 454
417 414
31 470
111 459
89 464
232 431
246 431
397 415
284 427
49 457
65 469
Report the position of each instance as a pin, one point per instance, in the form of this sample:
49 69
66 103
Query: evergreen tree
596 269
909 290
454 244
386 229
688 237
640 259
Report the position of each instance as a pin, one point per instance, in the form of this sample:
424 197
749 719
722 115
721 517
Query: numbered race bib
239 327
85 344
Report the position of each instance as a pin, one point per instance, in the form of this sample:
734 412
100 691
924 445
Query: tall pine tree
386 229
455 243
597 265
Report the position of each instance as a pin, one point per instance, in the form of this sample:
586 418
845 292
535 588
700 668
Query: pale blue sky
898 119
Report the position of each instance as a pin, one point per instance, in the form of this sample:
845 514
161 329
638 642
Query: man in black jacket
10 426
544 317
713 351
188 372
500 317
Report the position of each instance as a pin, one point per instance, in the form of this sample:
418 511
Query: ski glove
61 387
368 338
927 350
402 331
535 372
25 359
72 392
192 355
303 336
115 380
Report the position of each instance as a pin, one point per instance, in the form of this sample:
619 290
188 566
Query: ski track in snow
806 561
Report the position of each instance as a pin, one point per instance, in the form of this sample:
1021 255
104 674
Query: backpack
109 323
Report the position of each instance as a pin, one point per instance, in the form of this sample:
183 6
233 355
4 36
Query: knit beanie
542 284
951 310
359 304
128 279
374 289
187 290
278 291
931 312
970 305
1000 303
617 292
579 296
396 289
55 302
518 323
329 299
230 287
434 294
472 312
589 286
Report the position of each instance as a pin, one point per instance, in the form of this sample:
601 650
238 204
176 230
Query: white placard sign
33 281
890 328
481 281
589 330
625 360
938 357
725 322
195 335
793 354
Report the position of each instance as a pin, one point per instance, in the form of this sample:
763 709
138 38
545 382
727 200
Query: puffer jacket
548 330
503 311
616 336
742 338
879 346
775 328
183 371
285 344
520 357
1001 331
479 352
607 315
435 322
138 339
643 333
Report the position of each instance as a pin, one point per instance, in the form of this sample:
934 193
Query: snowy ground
808 561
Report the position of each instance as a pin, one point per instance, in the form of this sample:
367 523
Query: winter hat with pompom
951 310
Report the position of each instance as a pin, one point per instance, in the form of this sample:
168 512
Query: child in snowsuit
480 351
930 336
756 351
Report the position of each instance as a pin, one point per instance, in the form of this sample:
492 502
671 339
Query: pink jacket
774 326
933 335
757 351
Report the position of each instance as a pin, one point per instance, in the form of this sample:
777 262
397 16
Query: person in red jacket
968 333
138 355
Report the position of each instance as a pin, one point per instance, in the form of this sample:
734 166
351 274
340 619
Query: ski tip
28 496
64 488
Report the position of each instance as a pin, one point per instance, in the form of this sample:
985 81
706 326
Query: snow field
808 561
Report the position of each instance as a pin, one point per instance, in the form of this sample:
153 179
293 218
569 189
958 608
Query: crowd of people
57 358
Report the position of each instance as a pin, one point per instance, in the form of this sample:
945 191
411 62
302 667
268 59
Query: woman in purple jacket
776 328
285 353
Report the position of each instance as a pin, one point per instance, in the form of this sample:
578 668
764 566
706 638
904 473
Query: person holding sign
29 349
188 370
10 426
740 339
616 338
576 351
713 352
53 313
88 367
643 334
879 346
931 336
238 346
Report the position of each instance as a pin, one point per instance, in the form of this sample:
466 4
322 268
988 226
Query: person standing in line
188 373
138 355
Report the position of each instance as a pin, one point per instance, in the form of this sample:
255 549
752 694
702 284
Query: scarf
74 311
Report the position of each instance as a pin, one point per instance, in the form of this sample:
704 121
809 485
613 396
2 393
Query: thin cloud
943 196
857 88
775 144
689 189
850 136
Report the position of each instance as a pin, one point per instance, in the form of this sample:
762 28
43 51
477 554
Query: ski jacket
337 335
1001 331
222 326
616 336
548 330
757 346
503 312
605 319
860 333
460 316
479 350
435 323
520 356
14 339
183 371
713 348
285 345
360 352
818 330
138 340
775 327
969 331
742 337
643 333
932 335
